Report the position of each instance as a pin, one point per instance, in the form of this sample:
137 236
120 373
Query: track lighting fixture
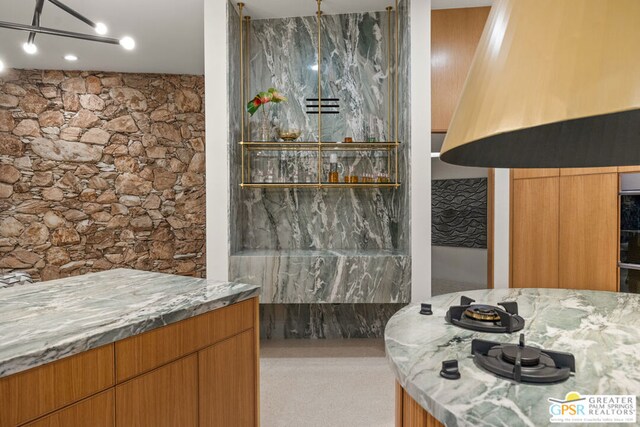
30 48
101 29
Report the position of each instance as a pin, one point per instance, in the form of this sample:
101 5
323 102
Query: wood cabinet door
28 395
534 228
227 381
455 34
589 232
165 397
96 411
535 173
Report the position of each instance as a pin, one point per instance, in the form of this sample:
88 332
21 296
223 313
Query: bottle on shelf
333 169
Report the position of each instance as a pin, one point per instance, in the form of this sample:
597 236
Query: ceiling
168 35
266 9
453 4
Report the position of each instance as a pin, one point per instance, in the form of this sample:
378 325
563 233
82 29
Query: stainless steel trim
629 266
629 193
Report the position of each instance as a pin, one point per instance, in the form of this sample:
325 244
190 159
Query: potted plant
261 100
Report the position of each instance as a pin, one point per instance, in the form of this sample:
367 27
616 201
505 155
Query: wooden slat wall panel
96 411
39 391
179 339
165 397
410 414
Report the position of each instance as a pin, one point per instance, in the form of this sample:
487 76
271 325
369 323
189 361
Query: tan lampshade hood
554 83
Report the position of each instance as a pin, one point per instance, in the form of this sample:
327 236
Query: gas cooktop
523 363
485 318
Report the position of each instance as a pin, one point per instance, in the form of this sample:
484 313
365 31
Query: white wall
420 21
217 177
501 230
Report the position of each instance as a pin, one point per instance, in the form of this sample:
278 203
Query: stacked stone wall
101 171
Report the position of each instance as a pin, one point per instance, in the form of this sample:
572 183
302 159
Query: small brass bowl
289 134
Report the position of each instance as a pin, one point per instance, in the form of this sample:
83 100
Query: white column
501 230
216 121
420 21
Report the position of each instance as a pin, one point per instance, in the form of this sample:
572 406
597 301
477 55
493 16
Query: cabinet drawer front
166 397
38 391
155 348
96 411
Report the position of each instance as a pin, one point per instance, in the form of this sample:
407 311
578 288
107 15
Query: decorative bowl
289 134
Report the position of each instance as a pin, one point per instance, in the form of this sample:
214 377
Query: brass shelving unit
391 148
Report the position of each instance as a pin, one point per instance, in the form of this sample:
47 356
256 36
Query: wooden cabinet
588 239
534 229
455 34
534 173
33 393
178 339
409 413
228 389
564 229
202 371
165 397
96 411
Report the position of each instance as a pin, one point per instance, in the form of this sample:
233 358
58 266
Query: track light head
30 48
127 43
101 29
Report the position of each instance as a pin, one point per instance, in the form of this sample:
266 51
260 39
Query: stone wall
101 171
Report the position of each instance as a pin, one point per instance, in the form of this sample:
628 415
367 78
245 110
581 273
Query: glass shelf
299 164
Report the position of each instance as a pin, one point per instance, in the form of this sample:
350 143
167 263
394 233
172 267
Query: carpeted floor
326 383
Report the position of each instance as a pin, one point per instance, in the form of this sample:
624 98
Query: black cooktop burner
485 318
522 363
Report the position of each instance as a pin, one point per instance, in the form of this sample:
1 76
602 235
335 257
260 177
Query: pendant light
554 83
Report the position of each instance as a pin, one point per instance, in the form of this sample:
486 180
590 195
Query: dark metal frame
35 27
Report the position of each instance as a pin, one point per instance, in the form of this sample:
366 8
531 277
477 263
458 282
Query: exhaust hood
554 83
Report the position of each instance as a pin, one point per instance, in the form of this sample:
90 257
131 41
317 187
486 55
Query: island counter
126 347
601 329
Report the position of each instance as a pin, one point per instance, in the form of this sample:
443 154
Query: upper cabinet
455 34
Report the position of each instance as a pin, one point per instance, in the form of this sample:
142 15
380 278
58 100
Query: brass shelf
392 148
328 146
319 185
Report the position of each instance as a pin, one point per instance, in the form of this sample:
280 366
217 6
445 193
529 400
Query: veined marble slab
325 321
46 321
325 276
599 328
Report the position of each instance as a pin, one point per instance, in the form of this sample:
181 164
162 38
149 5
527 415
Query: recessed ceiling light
101 28
71 57
127 43
435 155
30 48
1 66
